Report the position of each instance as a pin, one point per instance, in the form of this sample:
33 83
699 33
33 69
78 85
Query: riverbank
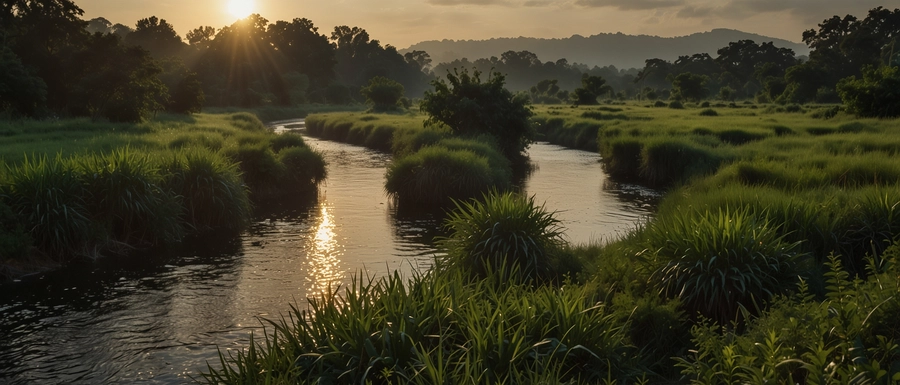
774 216
85 189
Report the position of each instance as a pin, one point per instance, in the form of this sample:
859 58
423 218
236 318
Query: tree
688 86
382 93
309 52
21 92
472 107
877 94
592 87
157 36
201 36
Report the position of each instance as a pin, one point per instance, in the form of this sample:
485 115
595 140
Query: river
159 317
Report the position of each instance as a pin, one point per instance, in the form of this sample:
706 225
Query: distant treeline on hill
53 63
606 49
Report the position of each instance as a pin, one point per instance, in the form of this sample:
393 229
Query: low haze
402 22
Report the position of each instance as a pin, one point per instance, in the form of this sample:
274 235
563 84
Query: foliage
302 166
502 233
211 189
877 94
592 87
382 93
844 339
435 328
436 174
471 107
717 262
690 87
15 240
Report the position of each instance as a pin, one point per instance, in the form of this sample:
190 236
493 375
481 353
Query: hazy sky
405 22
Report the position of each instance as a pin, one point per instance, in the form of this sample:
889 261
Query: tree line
53 63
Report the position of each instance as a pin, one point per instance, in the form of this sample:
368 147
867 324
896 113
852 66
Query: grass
783 218
84 188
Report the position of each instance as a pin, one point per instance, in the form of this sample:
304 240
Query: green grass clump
302 166
286 140
709 112
213 195
506 233
665 161
125 197
50 197
435 175
716 262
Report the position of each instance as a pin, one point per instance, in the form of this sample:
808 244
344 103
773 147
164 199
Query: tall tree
309 52
157 36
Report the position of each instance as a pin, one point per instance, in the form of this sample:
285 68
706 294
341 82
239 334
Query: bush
383 94
877 94
709 112
303 167
660 103
715 262
435 175
502 234
471 107
676 105
286 140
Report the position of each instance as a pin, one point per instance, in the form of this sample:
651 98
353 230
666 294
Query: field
773 259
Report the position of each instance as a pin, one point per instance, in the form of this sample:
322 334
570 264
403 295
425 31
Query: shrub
435 175
303 167
383 94
715 262
875 95
471 107
676 105
709 112
259 167
660 103
286 140
502 232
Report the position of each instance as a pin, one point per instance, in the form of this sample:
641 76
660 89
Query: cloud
631 5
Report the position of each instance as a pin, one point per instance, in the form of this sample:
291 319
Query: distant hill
620 50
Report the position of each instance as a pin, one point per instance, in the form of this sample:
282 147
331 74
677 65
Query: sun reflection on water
325 254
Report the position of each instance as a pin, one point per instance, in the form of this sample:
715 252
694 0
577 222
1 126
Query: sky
402 23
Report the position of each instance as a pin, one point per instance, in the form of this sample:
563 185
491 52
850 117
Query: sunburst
240 8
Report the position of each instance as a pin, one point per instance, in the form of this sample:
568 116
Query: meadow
77 188
772 259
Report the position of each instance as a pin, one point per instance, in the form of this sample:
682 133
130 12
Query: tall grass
436 329
503 233
716 262
49 196
212 193
435 175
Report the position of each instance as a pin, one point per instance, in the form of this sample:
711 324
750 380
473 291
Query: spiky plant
502 232
717 261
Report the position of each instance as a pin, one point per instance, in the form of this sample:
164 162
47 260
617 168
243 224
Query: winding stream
159 317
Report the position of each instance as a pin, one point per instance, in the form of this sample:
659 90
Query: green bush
877 94
286 140
709 112
259 167
676 105
302 166
716 262
503 233
435 175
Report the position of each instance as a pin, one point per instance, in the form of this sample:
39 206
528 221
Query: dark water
160 317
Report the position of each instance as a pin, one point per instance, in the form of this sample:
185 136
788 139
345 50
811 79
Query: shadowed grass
436 174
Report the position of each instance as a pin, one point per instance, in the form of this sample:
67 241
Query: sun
240 8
